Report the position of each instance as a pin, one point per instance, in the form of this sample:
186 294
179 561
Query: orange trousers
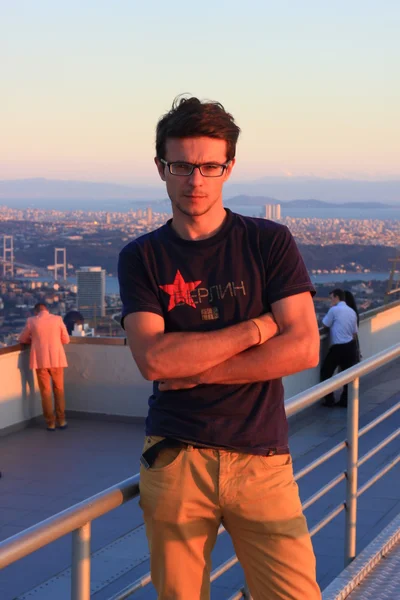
188 493
45 379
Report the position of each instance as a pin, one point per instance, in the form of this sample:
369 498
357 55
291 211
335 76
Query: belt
149 456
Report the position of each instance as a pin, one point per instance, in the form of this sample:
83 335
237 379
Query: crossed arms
230 355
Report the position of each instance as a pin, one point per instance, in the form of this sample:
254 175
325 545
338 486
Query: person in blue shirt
341 320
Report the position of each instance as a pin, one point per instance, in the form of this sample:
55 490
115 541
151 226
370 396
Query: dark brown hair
39 306
190 117
351 301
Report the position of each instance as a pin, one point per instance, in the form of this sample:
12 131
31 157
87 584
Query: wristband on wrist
262 330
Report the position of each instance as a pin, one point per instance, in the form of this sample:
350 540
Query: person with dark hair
351 301
341 320
217 308
47 334
72 318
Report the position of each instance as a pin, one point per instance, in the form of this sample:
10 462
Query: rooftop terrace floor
383 583
44 473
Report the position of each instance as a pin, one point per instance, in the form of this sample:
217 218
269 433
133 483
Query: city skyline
357 254
312 86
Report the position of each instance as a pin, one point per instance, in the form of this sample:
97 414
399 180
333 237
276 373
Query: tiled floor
44 473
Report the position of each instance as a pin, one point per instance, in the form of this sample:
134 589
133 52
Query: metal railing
77 519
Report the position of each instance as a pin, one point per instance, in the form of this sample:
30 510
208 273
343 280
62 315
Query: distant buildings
91 291
272 211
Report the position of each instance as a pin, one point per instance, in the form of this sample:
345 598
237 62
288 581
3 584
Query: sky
313 85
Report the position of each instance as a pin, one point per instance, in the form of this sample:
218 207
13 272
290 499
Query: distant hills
261 200
305 192
58 189
327 190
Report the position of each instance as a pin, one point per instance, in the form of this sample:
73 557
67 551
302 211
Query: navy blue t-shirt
206 285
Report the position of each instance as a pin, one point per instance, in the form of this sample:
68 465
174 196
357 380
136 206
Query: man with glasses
217 308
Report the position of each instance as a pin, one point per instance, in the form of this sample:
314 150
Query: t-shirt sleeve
328 318
138 291
286 273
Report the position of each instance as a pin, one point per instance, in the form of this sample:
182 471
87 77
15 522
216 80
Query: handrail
77 518
307 398
379 447
378 420
324 490
378 475
68 520
319 461
328 518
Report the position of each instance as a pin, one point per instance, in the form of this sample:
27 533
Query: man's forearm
280 356
186 354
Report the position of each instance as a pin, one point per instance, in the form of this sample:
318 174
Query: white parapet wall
102 377
19 396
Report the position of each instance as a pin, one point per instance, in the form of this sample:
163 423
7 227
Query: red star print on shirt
180 291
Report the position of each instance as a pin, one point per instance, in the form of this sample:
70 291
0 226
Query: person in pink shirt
46 333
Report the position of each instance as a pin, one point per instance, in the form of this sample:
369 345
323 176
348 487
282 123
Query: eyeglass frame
195 166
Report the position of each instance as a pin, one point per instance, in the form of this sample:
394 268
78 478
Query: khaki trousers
188 493
45 378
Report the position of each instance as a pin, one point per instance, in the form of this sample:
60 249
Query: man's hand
180 383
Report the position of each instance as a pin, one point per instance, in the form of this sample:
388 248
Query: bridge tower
60 265
8 255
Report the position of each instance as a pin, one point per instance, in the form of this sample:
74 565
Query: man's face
334 300
194 195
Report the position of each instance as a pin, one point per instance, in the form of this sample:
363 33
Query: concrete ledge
14 348
375 311
122 341
99 341
364 563
94 341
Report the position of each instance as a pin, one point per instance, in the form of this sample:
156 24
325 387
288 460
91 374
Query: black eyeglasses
184 169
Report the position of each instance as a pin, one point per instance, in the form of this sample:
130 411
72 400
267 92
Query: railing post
352 472
80 584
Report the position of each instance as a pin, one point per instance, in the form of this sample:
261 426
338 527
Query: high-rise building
91 291
268 211
149 215
272 211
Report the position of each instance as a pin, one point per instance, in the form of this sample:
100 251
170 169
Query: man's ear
229 168
160 168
